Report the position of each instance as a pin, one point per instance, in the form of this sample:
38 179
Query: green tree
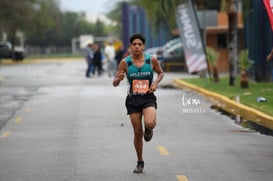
14 16
244 64
31 17
99 28
44 24
161 11
212 57
233 40
47 16
115 16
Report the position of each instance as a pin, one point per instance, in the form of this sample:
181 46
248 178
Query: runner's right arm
122 69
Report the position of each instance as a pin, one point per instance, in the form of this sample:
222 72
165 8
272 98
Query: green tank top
139 78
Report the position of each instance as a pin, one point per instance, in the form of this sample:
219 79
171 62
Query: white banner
191 38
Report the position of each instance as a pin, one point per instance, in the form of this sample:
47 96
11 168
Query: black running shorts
136 103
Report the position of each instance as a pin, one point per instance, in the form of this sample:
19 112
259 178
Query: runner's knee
138 133
150 124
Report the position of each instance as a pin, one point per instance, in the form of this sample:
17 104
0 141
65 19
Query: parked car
172 43
173 55
6 51
155 51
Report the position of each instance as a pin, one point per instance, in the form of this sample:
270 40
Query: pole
233 41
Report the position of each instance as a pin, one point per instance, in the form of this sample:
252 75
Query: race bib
140 86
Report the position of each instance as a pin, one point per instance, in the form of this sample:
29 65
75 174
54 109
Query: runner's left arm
160 74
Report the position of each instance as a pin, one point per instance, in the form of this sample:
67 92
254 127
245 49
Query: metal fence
34 51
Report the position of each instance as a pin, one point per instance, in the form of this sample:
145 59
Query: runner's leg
136 120
149 114
149 122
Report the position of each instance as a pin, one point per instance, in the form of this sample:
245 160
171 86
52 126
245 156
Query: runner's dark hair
137 36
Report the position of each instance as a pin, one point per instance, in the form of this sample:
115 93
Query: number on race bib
140 86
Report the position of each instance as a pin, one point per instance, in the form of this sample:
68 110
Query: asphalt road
58 125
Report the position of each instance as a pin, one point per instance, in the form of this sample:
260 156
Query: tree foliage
212 56
244 62
115 16
161 11
14 16
44 24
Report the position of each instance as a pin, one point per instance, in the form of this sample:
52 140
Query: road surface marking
181 178
18 120
162 150
5 134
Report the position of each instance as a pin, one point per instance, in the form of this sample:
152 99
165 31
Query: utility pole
233 41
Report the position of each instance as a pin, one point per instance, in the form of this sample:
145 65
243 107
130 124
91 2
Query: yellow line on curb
181 178
162 150
18 120
5 134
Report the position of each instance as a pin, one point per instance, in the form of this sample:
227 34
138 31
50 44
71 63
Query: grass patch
248 96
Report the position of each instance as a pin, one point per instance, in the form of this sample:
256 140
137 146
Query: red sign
269 8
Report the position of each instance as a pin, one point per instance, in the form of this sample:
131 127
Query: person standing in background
119 54
110 53
127 52
89 55
97 60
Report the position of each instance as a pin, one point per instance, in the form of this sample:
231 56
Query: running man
140 101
